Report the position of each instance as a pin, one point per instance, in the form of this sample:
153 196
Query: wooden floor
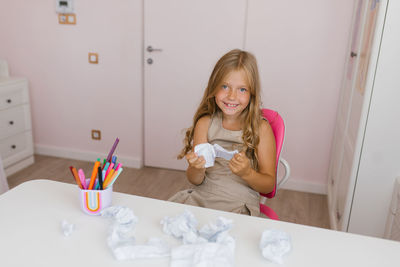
291 206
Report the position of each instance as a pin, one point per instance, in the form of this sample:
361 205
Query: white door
187 37
379 164
353 112
358 112
342 154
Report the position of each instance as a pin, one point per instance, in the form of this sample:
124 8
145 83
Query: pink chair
278 127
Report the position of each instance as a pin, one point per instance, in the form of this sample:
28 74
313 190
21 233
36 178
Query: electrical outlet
66 18
96 134
93 58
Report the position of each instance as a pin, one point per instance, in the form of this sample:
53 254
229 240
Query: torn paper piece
182 226
154 248
223 153
67 228
211 246
207 151
210 152
274 244
205 254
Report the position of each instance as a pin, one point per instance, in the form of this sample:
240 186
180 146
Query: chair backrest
278 128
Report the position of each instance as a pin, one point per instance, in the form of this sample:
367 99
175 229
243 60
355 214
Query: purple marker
112 150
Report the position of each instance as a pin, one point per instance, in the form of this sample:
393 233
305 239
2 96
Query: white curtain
3 179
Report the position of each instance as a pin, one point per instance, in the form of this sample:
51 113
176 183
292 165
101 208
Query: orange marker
76 176
94 174
110 167
114 177
109 178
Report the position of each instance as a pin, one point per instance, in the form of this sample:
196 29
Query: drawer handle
11 122
9 101
13 146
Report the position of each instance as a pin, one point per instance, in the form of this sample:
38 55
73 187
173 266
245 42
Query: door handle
151 49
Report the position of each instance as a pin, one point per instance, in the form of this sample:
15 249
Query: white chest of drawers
16 144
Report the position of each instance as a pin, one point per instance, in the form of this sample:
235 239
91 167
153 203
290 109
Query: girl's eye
224 86
242 90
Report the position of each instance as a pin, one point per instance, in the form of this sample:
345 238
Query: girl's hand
195 161
240 165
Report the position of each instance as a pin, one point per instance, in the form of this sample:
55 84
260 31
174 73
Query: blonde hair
234 60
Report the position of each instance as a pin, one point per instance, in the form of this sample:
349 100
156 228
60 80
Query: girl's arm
195 171
262 181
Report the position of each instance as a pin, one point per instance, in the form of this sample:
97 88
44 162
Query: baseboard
291 184
305 186
62 152
10 170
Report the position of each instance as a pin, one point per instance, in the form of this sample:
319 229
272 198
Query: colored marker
82 177
112 150
105 168
100 178
114 159
94 174
107 180
118 166
103 174
115 176
109 168
76 176
97 185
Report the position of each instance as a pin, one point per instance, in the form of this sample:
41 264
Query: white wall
301 76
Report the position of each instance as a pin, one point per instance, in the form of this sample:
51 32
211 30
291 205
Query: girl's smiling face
233 96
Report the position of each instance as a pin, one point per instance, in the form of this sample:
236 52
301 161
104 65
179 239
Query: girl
230 115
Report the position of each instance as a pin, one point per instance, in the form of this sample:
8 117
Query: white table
30 233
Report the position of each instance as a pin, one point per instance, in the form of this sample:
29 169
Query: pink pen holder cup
94 201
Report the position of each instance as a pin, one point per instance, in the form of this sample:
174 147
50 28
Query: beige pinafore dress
222 189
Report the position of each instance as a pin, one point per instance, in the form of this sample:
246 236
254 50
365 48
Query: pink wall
304 47
69 96
301 48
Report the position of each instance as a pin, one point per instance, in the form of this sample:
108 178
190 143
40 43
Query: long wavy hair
234 60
